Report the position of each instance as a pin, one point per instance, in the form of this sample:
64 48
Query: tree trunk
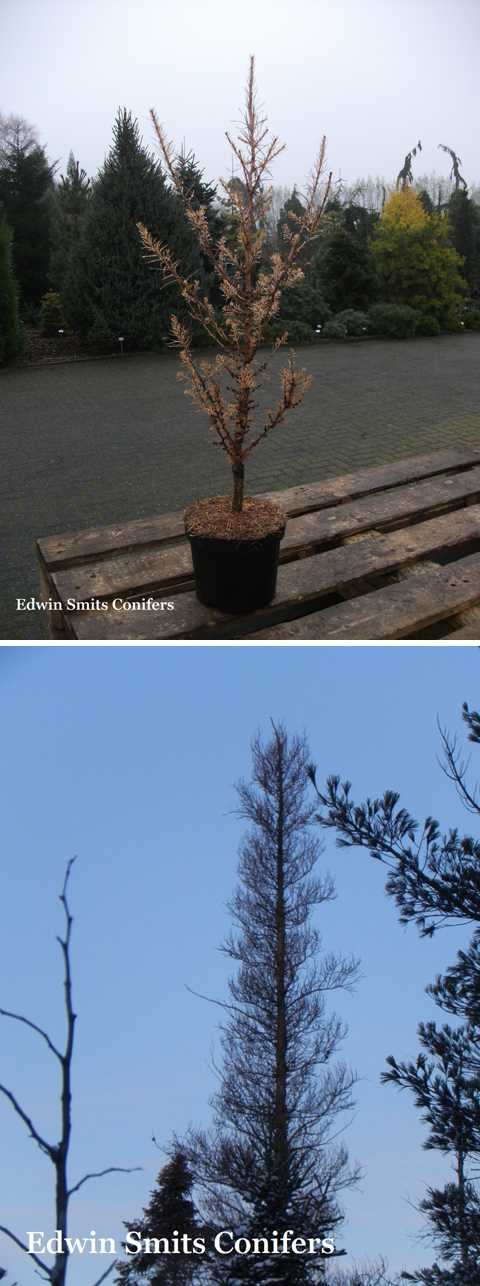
463 1235
280 1136
238 471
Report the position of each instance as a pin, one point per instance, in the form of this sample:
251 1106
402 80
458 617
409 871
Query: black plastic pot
235 575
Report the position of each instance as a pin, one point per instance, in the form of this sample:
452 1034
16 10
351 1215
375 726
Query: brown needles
251 293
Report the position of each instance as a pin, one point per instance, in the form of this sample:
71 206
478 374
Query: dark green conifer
109 289
71 200
10 333
26 186
346 272
464 216
205 194
290 215
170 1213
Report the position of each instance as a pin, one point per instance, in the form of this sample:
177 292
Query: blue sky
374 76
127 757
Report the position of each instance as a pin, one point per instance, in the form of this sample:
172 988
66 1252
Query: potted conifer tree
235 539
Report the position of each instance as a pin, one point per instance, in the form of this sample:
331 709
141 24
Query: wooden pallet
383 553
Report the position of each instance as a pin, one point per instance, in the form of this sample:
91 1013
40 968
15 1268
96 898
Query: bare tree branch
42 1143
105 1274
97 1174
45 1271
5 1013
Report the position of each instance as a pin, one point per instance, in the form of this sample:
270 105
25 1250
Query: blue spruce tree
109 289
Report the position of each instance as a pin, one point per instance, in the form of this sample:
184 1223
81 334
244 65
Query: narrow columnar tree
72 195
272 1160
10 333
26 195
250 294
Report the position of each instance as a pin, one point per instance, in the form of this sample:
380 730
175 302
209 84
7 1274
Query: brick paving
94 442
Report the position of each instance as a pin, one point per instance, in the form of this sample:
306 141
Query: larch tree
226 390
272 1161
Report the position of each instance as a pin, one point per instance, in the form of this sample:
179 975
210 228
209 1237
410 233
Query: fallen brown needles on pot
215 517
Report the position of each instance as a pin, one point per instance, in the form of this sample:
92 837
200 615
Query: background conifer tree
464 216
416 262
26 195
346 272
108 289
170 1211
204 194
10 333
435 880
72 195
287 224
446 1087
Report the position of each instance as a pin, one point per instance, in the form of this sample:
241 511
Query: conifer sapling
226 388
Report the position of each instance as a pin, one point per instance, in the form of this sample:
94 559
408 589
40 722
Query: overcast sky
375 76
127 757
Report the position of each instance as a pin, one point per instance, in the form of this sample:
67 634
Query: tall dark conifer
204 194
26 197
109 290
464 216
270 1163
72 195
435 880
10 332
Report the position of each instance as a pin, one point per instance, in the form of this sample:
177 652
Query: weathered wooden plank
77 547
394 612
72 549
163 570
298 583
350 486
470 631
383 511
47 591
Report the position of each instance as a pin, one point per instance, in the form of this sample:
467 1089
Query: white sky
373 75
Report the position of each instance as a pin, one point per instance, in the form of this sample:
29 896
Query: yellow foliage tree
403 209
415 260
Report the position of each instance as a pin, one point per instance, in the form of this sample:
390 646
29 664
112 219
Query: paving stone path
94 442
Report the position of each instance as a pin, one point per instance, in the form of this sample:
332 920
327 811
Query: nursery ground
87 443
